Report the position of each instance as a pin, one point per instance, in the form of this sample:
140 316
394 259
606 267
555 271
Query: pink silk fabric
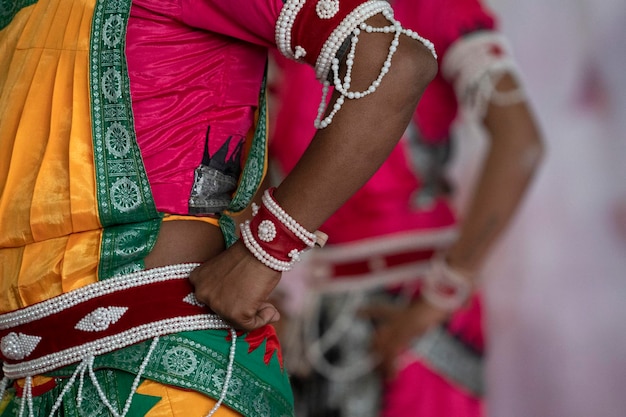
419 391
202 79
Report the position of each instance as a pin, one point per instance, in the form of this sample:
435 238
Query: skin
514 153
232 282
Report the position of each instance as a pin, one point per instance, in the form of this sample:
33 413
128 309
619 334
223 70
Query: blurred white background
556 284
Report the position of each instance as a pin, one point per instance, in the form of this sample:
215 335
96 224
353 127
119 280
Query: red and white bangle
274 237
445 287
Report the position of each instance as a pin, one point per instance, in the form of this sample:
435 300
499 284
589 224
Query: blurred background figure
373 332
557 283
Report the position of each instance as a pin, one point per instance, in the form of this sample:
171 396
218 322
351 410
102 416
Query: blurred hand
236 286
397 327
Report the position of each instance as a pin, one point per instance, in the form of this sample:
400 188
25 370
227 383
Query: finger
267 314
194 276
391 370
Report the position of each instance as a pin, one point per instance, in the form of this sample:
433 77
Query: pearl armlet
446 288
275 238
298 25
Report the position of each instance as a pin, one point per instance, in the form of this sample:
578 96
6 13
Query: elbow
413 65
424 64
417 67
533 155
413 68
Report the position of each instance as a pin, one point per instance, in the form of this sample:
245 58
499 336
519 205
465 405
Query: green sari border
126 207
198 361
9 8
253 171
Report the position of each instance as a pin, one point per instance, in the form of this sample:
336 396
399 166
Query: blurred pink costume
400 218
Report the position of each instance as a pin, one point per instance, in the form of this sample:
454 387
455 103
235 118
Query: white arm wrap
475 64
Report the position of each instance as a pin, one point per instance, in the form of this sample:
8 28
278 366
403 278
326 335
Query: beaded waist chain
377 262
100 318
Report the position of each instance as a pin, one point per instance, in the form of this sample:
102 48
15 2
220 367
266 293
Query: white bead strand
117 283
3 387
331 46
133 388
27 397
229 372
80 369
81 383
296 228
343 86
284 24
258 252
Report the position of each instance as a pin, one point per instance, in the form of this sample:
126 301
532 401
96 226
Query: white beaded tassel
133 388
229 373
87 366
81 383
3 387
80 369
27 397
343 86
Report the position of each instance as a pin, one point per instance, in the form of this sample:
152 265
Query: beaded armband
446 288
275 238
474 64
313 32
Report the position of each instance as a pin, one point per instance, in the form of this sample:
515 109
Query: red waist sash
100 318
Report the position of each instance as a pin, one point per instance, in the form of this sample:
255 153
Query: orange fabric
177 402
211 220
48 222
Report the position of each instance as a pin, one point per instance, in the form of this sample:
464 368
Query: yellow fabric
211 220
177 402
48 222
37 381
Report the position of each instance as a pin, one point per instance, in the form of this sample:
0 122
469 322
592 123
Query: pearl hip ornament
100 319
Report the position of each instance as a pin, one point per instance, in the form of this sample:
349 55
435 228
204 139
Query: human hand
397 327
236 286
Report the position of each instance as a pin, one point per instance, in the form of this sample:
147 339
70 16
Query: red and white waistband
100 318
380 261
